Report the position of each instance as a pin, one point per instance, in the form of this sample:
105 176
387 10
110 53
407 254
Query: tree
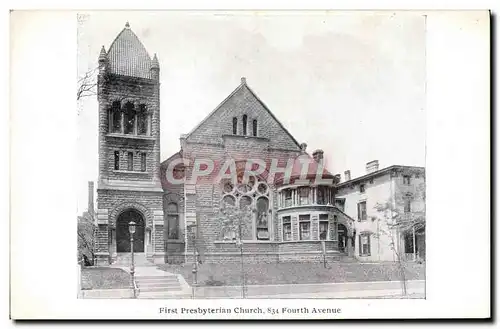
86 236
395 222
87 84
233 219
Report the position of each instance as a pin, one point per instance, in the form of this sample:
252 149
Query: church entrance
122 231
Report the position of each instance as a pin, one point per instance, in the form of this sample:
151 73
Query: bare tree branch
87 84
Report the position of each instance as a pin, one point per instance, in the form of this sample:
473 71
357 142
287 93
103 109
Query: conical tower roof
127 55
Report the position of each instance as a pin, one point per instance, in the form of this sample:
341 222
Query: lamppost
131 229
195 259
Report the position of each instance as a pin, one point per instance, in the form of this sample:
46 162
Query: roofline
116 38
274 117
213 111
343 213
258 99
377 173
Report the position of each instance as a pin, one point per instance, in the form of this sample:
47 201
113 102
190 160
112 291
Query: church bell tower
129 188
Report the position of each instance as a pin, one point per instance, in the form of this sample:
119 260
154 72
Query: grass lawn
295 273
104 278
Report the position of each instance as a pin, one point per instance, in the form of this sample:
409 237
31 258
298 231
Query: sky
350 83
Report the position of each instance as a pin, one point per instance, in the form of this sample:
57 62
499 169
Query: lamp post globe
131 227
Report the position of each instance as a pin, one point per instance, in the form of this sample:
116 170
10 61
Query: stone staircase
161 287
152 282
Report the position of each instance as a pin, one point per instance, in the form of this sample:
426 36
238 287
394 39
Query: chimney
347 175
91 198
318 156
371 166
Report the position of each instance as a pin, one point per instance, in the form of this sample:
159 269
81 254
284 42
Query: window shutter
360 246
369 247
359 213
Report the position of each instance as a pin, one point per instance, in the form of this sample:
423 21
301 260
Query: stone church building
292 215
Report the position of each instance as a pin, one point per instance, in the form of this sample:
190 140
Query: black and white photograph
251 156
191 164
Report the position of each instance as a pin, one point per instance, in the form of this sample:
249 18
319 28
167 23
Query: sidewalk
321 290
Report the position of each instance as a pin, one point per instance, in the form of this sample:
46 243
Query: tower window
254 126
142 120
245 119
143 161
116 118
117 160
235 126
130 161
129 118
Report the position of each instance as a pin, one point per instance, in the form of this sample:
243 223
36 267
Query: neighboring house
404 188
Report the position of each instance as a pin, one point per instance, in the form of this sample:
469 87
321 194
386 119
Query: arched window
254 128
129 118
252 195
245 124
235 126
262 218
173 221
116 118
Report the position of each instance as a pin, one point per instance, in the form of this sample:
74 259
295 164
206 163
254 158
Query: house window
142 120
245 124
362 211
304 195
143 161
323 227
364 244
321 195
173 221
406 179
288 198
235 126
287 228
362 188
117 160
407 207
304 227
262 220
254 128
130 161
129 118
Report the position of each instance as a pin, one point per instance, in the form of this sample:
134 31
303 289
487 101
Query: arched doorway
122 231
342 237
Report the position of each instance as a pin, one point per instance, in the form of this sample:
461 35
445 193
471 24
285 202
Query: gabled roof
127 56
243 85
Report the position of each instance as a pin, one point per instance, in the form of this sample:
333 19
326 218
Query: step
156 277
160 289
158 284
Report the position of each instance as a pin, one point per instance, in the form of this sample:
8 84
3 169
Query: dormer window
254 128
235 126
245 119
